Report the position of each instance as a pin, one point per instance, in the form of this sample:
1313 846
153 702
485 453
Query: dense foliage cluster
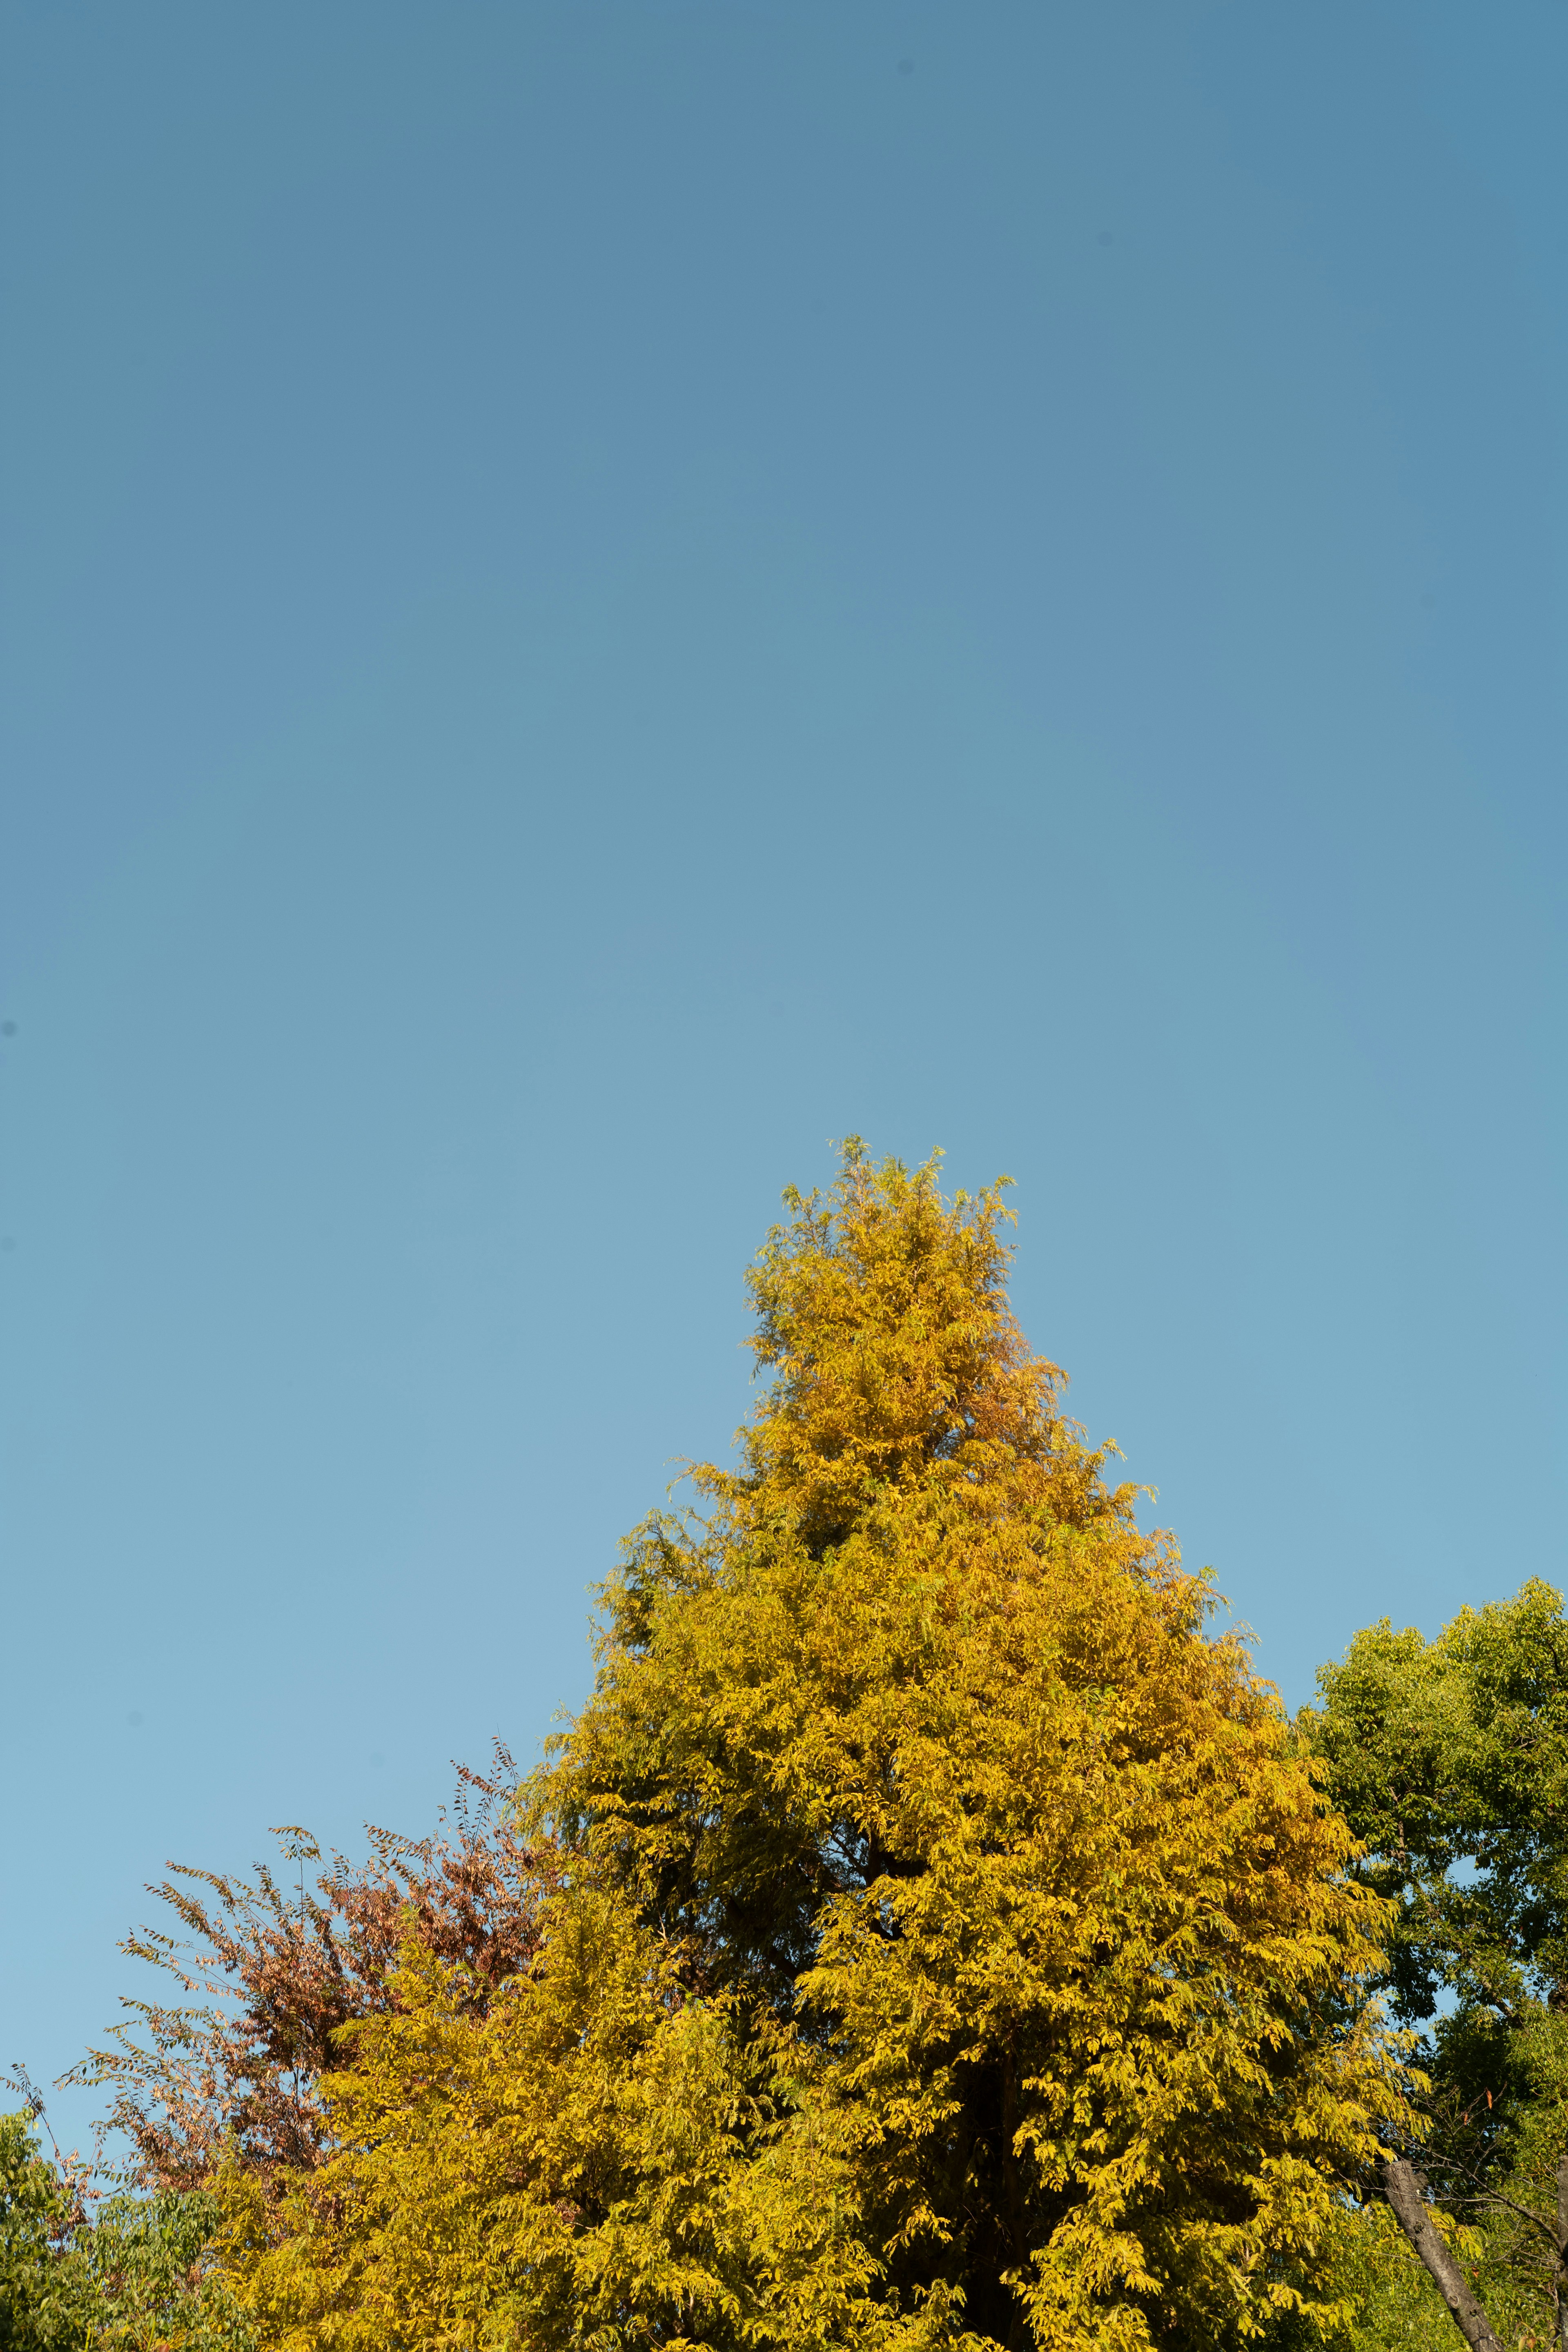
141 2273
1449 1758
930 1937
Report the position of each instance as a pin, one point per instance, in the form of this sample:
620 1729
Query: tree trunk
1561 2281
1399 2180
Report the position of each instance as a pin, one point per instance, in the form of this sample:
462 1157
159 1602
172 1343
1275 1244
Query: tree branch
1495 2197
1399 2182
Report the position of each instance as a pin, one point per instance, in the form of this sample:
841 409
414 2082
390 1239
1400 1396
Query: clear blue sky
599 594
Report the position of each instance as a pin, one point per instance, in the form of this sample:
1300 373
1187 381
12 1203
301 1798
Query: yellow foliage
599 2160
954 1952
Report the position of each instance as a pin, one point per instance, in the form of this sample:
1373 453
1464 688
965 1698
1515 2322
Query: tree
137 2276
228 2073
597 2159
227 2080
155 2285
1449 1758
44 2294
951 1948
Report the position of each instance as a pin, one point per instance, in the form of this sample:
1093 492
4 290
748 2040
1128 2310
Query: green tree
156 2284
46 2293
1449 1758
138 2274
951 1949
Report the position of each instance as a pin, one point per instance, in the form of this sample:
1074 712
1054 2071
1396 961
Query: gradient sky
599 594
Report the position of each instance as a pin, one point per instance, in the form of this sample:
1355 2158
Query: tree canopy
945 1945
1449 1758
260 1982
130 2275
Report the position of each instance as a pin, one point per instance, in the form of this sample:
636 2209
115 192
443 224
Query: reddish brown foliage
270 1972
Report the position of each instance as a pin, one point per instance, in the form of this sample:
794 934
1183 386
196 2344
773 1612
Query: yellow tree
951 1951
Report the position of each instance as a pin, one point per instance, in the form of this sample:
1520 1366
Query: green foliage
138 2275
155 2285
44 2292
1394 2304
1449 1758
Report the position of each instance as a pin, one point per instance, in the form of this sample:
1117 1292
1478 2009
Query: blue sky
597 595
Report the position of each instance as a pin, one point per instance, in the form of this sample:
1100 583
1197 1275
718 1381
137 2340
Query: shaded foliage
1449 1758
